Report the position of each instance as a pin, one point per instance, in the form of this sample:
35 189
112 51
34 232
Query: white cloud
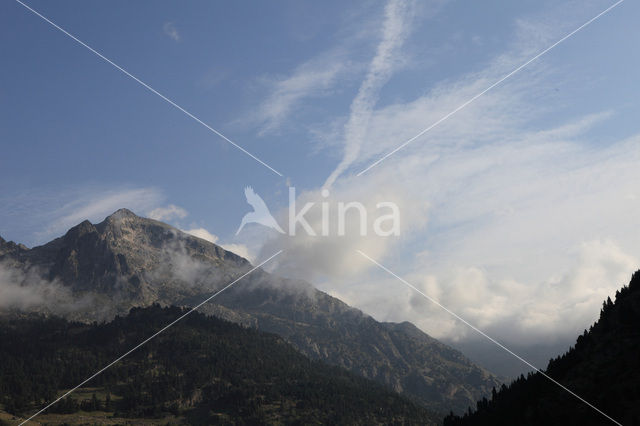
170 30
26 289
523 232
311 79
320 257
395 30
526 236
168 213
203 233
558 307
239 249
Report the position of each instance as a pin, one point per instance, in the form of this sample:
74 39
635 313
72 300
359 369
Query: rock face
9 247
127 261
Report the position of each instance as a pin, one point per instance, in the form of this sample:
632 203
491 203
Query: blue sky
532 189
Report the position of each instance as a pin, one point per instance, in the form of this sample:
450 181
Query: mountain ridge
127 261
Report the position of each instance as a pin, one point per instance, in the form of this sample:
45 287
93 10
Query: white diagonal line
487 336
146 86
151 337
489 88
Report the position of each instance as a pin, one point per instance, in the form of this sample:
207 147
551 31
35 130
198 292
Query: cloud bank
27 290
520 219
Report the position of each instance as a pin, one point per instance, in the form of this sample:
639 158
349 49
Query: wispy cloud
202 233
170 30
314 78
26 289
336 69
213 77
395 30
167 213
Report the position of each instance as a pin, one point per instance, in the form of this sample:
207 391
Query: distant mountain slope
200 371
603 368
128 261
399 355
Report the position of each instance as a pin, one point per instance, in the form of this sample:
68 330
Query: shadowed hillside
203 370
603 368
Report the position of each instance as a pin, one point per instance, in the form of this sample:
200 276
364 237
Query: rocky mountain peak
9 247
123 218
80 230
148 260
120 213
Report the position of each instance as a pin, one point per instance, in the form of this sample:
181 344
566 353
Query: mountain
203 370
603 368
127 261
9 247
